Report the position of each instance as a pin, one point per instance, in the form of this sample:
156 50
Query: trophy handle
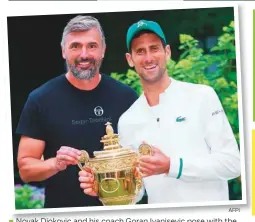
139 182
138 177
83 159
145 149
95 185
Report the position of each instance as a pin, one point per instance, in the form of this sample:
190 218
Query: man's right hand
66 156
87 179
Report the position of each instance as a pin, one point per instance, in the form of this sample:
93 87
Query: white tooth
150 67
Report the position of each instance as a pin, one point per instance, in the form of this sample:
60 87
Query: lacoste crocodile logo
180 119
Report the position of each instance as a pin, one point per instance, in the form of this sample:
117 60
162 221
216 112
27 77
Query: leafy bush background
217 68
28 197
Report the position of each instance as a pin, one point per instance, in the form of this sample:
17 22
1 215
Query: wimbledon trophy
117 181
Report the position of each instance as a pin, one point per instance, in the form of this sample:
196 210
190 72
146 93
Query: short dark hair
138 34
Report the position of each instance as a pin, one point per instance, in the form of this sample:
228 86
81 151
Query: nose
148 57
83 53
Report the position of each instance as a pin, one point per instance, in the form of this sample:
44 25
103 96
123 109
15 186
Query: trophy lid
112 148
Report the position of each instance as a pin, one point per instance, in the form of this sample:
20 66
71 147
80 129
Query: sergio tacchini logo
98 111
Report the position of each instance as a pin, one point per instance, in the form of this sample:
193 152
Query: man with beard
67 114
194 151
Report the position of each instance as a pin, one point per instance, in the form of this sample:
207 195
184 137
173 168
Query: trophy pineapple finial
110 140
109 129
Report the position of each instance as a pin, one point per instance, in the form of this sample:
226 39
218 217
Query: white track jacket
192 129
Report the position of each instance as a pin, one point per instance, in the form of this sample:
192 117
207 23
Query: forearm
32 169
217 166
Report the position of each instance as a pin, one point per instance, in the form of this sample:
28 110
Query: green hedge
28 197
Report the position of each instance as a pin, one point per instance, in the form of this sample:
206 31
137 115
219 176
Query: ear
168 52
103 51
63 53
129 60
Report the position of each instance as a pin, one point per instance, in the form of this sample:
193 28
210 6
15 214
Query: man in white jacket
194 150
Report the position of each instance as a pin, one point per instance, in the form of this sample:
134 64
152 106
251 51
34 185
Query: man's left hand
158 163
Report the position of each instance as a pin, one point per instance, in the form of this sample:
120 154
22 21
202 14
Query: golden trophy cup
117 181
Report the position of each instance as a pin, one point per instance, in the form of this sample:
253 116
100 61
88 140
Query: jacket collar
163 96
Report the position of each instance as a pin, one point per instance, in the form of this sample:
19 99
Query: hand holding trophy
87 180
112 174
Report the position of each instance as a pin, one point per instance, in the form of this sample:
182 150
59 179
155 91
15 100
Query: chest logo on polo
98 111
180 119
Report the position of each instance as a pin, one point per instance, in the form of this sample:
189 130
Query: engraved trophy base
121 200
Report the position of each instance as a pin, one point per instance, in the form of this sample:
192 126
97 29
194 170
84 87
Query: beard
85 73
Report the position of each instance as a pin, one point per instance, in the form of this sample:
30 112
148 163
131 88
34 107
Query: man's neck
152 91
84 84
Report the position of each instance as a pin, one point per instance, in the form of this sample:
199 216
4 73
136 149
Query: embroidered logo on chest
98 111
180 119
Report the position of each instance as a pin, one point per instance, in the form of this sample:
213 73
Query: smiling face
149 57
84 52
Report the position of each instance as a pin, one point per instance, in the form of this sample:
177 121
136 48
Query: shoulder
135 113
193 90
47 89
195 87
116 86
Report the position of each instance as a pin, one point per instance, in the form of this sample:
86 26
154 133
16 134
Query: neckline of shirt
163 95
98 87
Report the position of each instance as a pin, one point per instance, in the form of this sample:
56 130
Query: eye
74 45
154 48
92 46
140 51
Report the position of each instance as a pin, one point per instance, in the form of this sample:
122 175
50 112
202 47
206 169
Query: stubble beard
157 78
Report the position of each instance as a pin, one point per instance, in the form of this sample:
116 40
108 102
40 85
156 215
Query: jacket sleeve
124 133
223 159
127 134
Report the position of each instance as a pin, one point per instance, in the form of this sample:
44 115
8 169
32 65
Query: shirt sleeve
31 123
223 160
